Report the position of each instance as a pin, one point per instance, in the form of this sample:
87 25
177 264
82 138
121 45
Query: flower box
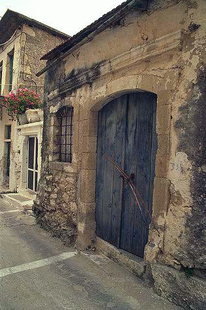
34 115
22 119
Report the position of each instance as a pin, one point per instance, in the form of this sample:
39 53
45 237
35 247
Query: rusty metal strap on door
128 178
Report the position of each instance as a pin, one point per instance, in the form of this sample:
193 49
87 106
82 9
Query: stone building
22 43
124 143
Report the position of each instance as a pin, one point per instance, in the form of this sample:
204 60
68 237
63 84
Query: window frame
10 69
64 135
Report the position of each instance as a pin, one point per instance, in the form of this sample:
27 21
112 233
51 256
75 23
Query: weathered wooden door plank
138 157
118 157
126 133
111 134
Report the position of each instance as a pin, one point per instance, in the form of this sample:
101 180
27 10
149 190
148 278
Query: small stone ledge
132 262
62 166
180 288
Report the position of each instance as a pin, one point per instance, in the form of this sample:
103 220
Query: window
10 70
64 141
1 69
7 133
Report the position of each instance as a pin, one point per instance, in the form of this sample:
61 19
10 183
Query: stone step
18 200
133 263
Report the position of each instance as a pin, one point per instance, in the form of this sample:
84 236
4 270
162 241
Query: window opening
7 133
10 73
65 116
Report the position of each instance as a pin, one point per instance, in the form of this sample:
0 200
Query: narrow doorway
126 135
32 175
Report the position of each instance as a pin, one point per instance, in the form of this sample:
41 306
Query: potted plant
20 102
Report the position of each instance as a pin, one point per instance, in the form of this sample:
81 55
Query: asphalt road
39 272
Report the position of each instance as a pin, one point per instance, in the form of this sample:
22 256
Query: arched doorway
127 141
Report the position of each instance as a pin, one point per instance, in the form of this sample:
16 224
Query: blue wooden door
126 134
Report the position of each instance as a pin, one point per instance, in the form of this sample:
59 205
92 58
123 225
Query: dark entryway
126 135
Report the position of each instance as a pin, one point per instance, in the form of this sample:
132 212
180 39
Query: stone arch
102 95
99 97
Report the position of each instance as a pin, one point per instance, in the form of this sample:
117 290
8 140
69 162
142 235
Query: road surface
39 272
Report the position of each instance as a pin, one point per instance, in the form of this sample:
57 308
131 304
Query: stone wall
34 44
4 181
29 45
58 208
160 56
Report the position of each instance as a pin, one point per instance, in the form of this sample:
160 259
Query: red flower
21 101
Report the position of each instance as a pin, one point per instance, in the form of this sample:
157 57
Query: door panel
111 136
126 133
138 157
119 108
32 175
30 179
31 153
